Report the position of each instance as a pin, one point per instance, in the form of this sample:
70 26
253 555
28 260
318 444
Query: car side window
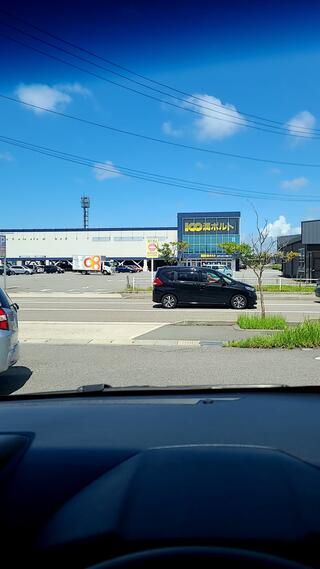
169 275
210 277
189 276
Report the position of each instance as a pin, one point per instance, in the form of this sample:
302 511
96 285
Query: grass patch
288 288
252 322
304 335
138 289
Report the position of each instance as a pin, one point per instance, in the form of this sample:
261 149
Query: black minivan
200 285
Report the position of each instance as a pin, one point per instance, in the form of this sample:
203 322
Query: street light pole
5 270
3 255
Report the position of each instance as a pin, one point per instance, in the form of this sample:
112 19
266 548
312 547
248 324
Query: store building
307 265
204 233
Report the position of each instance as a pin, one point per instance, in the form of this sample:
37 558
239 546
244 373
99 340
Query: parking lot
72 282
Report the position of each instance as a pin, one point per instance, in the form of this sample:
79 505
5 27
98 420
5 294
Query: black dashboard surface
93 477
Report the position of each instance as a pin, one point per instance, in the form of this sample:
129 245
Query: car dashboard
89 477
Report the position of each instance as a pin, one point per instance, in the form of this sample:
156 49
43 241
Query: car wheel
238 301
169 301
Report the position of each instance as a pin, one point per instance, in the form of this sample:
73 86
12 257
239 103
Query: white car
20 269
9 343
222 269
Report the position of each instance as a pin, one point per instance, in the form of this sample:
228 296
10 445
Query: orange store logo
93 263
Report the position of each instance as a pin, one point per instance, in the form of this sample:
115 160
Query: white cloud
275 171
281 227
53 98
105 171
7 156
167 128
294 183
220 122
298 124
76 88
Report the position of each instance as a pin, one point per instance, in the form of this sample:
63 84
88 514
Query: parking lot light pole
3 254
5 271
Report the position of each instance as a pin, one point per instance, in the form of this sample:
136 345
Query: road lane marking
177 311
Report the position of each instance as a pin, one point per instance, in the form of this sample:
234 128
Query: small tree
166 253
172 252
258 255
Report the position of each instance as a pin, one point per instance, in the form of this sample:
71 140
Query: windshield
159 194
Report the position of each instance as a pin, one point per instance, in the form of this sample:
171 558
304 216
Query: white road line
136 303
177 310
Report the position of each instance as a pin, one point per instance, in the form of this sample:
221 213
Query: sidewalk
129 333
121 333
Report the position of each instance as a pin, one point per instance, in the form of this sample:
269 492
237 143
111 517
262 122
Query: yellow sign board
152 249
193 227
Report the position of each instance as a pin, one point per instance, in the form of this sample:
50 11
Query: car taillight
4 324
157 281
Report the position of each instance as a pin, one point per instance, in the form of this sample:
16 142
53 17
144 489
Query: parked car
222 269
8 272
124 269
36 268
200 285
136 269
53 269
9 343
21 270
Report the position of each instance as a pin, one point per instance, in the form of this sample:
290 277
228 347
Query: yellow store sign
198 226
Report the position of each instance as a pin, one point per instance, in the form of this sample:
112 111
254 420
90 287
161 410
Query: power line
256 126
144 77
152 177
161 140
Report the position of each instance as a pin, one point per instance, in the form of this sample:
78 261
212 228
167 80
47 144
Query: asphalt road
44 368
142 310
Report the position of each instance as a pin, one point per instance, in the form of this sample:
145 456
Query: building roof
285 240
65 229
210 214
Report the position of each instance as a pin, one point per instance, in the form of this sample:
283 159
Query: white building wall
63 244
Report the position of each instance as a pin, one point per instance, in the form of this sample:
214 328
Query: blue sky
248 59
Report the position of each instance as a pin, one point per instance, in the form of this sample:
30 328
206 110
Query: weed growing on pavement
276 322
288 288
304 335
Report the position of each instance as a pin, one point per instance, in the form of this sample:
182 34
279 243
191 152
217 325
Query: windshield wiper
96 387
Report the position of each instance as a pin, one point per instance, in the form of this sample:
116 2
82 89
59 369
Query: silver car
9 343
20 269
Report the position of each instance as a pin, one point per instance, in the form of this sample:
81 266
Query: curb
93 342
